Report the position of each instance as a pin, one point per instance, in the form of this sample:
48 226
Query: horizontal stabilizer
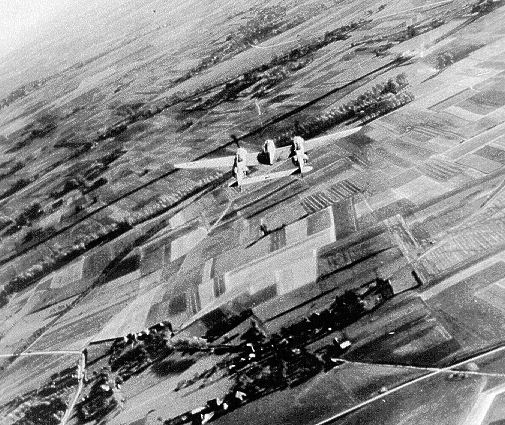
270 176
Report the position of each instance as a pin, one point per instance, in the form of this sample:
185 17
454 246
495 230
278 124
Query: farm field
369 288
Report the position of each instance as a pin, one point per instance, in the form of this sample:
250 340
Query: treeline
265 24
166 202
41 127
59 258
46 404
18 165
293 60
15 187
261 80
84 181
21 92
63 256
379 100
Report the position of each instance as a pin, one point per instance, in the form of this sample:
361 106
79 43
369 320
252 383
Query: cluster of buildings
103 398
262 364
46 404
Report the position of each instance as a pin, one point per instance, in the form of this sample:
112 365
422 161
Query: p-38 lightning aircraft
270 154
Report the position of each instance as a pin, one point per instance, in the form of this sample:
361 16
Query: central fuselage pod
269 150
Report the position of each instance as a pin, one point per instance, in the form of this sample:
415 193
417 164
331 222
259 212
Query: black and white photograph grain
252 212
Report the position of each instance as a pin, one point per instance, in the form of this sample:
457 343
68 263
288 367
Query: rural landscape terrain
369 289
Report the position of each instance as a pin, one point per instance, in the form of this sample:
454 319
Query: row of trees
389 103
18 165
41 127
44 405
265 24
142 113
16 186
23 219
260 80
378 100
166 202
60 257
446 58
69 183
293 60
21 92
249 83
395 37
483 7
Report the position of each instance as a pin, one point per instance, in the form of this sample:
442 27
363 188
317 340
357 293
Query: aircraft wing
222 162
328 138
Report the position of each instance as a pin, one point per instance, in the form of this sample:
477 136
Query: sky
21 21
